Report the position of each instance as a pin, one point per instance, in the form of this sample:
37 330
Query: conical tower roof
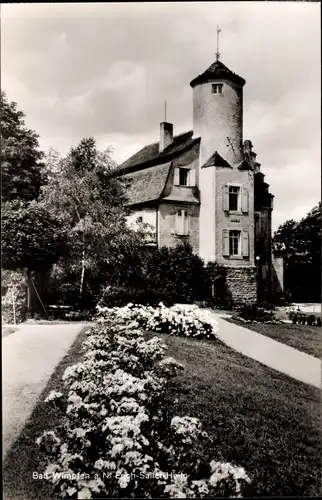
217 71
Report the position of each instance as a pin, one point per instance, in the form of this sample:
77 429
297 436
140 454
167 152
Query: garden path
272 353
29 357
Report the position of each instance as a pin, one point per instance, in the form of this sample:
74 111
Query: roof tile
217 70
146 185
150 154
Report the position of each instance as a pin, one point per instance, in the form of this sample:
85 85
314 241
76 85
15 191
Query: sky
105 70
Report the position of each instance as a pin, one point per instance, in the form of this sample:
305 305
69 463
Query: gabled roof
149 155
217 71
245 164
216 161
146 185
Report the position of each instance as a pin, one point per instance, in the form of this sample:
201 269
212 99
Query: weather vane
218 53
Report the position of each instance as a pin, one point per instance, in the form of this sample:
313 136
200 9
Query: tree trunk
81 286
29 285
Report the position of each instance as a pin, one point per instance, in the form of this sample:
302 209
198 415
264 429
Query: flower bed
183 321
302 318
255 313
116 438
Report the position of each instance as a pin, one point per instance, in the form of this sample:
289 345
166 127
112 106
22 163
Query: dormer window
183 177
217 88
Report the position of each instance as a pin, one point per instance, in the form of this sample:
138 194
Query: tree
22 170
179 273
32 239
52 161
299 243
91 203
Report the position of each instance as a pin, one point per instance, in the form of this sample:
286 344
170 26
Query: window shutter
179 222
225 241
185 223
245 244
225 198
173 223
176 177
192 177
244 203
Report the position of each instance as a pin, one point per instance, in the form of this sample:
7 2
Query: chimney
166 135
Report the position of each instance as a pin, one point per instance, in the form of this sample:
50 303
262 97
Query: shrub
176 320
293 316
177 273
116 438
168 275
218 295
311 319
302 318
255 312
268 306
63 288
118 296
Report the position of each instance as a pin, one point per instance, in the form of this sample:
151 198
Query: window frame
219 87
239 243
182 221
238 198
239 204
186 171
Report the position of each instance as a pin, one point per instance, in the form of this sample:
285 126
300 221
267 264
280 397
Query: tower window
182 223
234 242
217 88
183 176
234 198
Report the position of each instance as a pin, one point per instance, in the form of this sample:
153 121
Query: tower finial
218 53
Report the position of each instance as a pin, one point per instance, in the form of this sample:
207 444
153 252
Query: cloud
106 69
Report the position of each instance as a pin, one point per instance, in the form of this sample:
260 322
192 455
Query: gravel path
272 353
29 357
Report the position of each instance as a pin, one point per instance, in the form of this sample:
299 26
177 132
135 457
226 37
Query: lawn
258 418
305 338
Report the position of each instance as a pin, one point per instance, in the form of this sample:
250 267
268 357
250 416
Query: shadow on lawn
23 458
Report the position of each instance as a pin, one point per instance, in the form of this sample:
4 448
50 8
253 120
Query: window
183 176
139 220
182 223
217 88
234 242
233 198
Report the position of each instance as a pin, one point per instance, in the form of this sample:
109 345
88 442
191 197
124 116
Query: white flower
51 469
84 494
53 395
124 480
201 487
71 491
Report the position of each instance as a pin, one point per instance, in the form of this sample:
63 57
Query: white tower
218 121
